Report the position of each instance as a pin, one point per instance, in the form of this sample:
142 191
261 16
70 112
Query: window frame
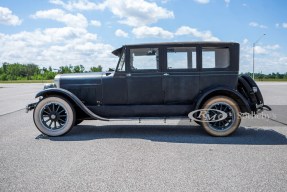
216 47
119 61
128 52
181 69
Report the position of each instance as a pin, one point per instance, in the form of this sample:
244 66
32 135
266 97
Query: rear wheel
54 116
227 109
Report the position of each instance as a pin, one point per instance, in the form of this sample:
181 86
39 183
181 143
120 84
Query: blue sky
62 32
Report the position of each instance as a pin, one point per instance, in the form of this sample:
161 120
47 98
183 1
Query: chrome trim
255 89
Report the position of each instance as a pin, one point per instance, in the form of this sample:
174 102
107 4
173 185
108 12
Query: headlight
49 85
57 81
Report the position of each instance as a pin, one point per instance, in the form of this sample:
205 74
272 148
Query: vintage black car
179 79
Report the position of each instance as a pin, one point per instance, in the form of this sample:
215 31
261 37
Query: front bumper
31 106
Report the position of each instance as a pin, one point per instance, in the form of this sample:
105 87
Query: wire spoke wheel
54 116
223 114
226 123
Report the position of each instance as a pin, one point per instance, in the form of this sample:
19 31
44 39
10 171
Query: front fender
235 95
67 94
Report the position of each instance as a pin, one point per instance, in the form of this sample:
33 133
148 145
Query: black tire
229 124
54 116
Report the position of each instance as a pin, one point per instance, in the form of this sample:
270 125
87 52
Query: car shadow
172 134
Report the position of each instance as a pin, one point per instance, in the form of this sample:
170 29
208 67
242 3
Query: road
147 156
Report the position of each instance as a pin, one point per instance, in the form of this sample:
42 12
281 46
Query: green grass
273 80
28 81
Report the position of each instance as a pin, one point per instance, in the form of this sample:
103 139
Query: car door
181 76
144 80
115 84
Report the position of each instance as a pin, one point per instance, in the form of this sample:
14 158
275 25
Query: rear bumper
260 108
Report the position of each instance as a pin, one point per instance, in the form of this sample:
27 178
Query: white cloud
83 5
121 33
96 23
145 31
56 47
227 2
245 41
272 47
7 17
284 25
255 24
265 49
203 35
202 1
260 50
267 58
132 13
70 20
137 13
277 25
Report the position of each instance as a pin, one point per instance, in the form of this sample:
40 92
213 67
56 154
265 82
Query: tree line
271 76
17 71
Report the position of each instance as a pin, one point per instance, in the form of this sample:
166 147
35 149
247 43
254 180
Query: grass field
272 80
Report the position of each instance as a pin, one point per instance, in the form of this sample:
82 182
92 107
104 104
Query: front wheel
222 116
54 116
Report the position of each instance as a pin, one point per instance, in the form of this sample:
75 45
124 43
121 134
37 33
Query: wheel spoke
48 108
62 120
50 124
61 111
58 108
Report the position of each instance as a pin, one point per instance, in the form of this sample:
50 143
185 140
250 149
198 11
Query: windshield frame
120 59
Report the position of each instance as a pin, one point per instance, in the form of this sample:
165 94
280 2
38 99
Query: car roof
118 51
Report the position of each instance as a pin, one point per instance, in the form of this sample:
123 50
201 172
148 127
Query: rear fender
233 94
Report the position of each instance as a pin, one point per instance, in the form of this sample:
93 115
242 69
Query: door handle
128 75
165 74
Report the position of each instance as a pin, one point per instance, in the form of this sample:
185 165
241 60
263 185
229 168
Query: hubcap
54 116
226 123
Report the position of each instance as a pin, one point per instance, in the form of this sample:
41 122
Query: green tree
96 69
78 69
66 69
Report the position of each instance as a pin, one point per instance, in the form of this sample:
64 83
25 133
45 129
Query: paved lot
151 156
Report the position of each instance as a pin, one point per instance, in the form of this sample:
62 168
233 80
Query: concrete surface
150 156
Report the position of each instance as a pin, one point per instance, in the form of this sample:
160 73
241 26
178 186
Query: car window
144 59
181 58
215 57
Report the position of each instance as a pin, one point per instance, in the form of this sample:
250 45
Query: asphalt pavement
148 156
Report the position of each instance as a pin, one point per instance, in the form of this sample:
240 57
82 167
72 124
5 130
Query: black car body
155 80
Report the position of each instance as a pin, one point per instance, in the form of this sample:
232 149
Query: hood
74 79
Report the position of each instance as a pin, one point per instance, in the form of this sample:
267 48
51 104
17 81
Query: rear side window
215 57
181 58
